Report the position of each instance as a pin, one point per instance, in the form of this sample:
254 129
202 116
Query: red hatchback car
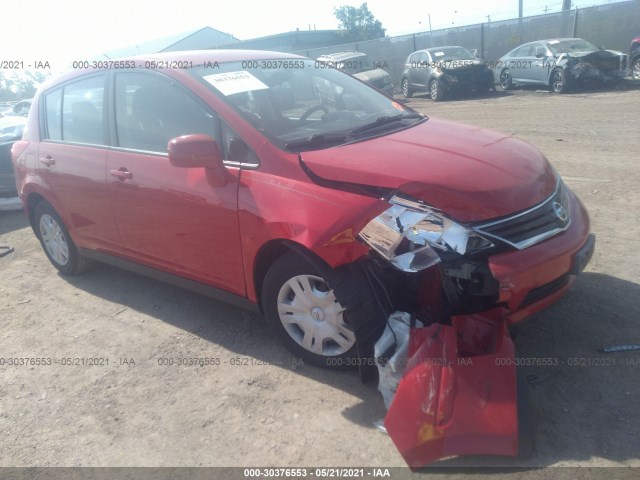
301 192
298 191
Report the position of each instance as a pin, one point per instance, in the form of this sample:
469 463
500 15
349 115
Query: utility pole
520 8
566 5
546 9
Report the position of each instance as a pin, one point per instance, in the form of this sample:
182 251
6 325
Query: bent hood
377 76
469 173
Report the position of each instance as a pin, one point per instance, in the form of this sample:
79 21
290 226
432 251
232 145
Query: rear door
72 160
169 218
520 64
420 70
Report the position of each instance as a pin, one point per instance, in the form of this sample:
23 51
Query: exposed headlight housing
413 236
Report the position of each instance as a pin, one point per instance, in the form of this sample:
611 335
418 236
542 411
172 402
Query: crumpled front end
466 283
599 66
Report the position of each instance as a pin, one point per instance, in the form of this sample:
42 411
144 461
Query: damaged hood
469 173
596 54
372 76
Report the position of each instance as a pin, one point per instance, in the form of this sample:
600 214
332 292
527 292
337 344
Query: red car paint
458 393
140 208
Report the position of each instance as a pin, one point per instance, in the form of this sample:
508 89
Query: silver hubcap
434 90
506 80
312 316
405 88
636 70
54 239
557 81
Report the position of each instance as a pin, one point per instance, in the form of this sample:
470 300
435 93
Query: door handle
122 174
48 160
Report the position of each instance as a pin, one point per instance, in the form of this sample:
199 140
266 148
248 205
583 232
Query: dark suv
442 70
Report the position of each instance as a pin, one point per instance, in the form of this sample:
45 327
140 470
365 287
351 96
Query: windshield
573 45
293 101
451 53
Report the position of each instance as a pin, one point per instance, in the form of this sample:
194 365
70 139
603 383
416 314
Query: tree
358 23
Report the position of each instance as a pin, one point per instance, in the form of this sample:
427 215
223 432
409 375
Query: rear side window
53 115
75 112
150 111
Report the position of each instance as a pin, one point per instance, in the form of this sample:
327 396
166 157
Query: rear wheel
407 91
56 241
305 314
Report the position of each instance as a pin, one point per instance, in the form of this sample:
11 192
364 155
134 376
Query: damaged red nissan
281 185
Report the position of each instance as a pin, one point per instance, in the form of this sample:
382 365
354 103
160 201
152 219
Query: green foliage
17 85
358 23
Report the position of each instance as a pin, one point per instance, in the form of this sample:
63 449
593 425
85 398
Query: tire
635 69
506 82
558 81
435 90
302 310
405 86
56 241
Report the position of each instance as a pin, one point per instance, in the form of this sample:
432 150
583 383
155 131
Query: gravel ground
260 406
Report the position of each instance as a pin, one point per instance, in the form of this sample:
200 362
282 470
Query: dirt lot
260 407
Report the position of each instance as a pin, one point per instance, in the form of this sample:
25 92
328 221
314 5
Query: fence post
575 24
414 42
482 40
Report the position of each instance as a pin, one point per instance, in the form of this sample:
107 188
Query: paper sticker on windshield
235 82
553 42
439 54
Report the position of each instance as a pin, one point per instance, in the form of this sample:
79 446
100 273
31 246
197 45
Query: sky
61 31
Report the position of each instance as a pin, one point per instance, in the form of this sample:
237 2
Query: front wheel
56 241
635 69
306 316
506 82
558 81
435 90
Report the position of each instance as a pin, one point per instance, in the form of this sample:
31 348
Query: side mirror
198 151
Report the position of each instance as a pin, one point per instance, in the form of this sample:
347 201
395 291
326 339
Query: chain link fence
609 26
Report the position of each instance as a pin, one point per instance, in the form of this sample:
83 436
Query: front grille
534 225
545 290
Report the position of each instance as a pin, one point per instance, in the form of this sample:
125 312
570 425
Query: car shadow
579 393
12 220
457 97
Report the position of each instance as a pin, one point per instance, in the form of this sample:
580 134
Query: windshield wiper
316 140
385 120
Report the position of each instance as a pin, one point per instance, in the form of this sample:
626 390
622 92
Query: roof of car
220 55
197 57
547 40
341 56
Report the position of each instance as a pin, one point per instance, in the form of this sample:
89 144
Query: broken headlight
413 236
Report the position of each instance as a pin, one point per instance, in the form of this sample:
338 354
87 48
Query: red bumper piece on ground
458 393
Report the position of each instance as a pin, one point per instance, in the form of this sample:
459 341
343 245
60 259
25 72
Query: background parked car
560 64
445 69
11 129
20 109
362 67
634 59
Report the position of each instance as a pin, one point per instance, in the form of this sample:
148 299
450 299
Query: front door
170 218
